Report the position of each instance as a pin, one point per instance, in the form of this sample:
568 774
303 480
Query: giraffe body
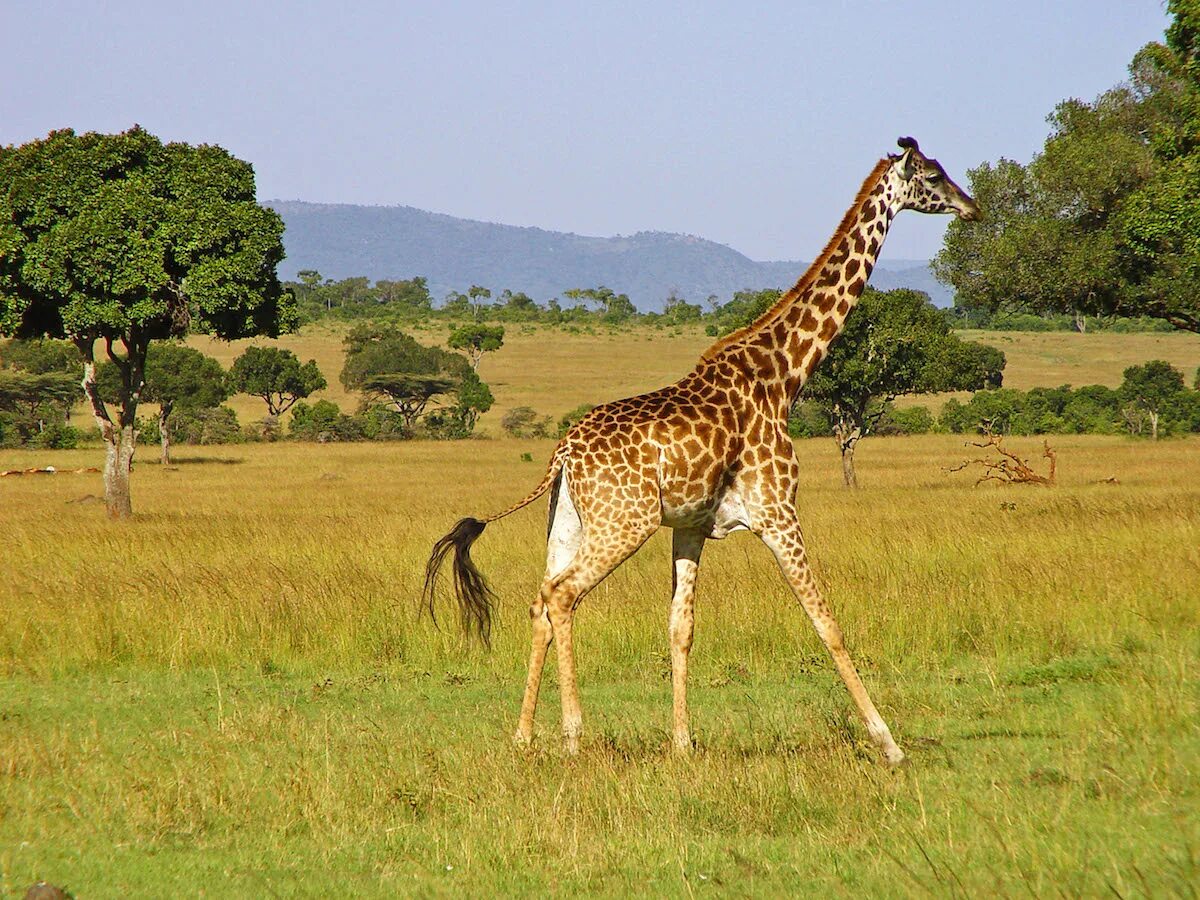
706 456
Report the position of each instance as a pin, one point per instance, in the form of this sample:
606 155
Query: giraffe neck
785 345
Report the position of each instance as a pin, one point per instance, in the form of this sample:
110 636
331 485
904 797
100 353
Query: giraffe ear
909 146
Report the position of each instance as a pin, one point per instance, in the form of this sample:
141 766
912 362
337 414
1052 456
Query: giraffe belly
731 516
716 516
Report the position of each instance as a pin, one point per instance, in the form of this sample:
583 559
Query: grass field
554 370
232 695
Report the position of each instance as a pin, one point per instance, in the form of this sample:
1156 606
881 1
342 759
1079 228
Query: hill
344 241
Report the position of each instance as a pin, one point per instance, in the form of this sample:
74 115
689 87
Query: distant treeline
407 301
1153 400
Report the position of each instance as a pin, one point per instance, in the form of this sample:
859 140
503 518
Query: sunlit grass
555 370
234 692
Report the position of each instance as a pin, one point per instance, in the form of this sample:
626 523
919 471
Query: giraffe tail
475 598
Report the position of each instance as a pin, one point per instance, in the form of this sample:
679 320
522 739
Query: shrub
324 421
524 422
56 436
205 426
905 420
809 419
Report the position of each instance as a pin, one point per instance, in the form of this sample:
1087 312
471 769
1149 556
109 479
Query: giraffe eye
935 177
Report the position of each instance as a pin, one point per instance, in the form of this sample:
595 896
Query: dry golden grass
233 693
554 370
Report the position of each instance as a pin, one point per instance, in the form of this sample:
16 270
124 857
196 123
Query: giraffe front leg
685 552
785 540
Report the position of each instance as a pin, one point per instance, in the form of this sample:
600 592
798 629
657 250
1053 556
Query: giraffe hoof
522 741
682 745
895 757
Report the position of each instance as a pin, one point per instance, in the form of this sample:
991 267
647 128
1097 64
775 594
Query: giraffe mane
810 275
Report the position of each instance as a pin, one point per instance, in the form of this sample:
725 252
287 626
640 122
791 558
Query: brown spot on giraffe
705 457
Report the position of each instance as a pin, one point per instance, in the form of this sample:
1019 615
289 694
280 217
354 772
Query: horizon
741 126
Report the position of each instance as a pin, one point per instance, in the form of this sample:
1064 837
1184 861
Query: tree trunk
1153 424
850 479
120 440
118 463
164 433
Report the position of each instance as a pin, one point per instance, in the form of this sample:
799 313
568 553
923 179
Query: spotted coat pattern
710 454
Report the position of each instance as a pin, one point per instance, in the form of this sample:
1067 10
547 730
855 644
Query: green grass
233 695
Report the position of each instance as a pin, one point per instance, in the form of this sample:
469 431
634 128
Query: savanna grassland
233 694
555 369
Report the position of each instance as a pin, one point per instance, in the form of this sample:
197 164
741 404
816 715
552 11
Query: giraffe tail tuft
471 590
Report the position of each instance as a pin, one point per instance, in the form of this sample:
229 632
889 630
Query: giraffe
706 456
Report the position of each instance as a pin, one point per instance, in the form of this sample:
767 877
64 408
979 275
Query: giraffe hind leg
603 549
564 537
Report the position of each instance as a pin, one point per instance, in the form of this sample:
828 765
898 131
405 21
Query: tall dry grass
233 692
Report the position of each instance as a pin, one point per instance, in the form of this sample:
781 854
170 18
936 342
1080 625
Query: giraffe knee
681 628
560 602
831 634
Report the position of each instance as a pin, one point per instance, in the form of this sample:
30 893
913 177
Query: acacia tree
476 340
177 377
38 379
895 342
122 240
385 363
275 375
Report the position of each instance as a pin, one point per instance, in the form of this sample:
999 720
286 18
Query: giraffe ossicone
706 456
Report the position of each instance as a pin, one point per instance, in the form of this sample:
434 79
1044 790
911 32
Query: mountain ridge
343 240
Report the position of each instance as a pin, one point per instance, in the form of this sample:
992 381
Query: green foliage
809 419
893 343
1154 395
387 364
1153 392
41 356
677 311
741 310
197 425
477 340
276 376
1106 219
905 420
175 375
356 298
524 422
108 235
323 421
33 405
614 308
124 239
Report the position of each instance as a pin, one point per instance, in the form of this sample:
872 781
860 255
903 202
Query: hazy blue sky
750 124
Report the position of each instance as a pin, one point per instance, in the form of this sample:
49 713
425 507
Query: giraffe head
924 185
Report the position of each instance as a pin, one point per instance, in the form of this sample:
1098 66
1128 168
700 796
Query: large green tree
1106 219
120 240
894 343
